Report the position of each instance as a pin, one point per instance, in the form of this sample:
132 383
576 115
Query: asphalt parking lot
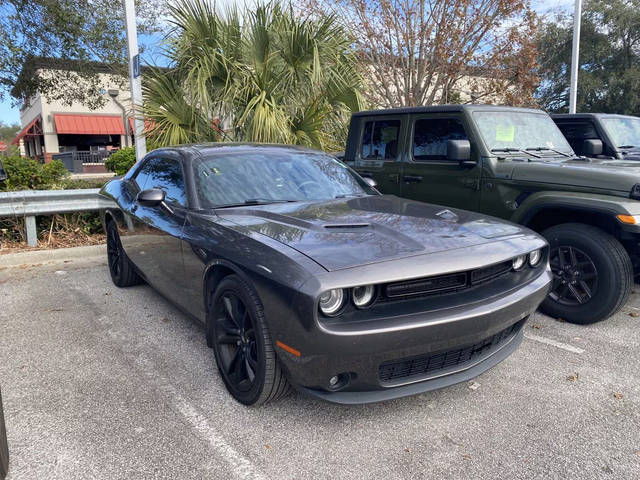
99 382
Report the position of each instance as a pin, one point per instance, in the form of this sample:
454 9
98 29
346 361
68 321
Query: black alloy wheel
236 341
238 333
575 276
592 273
122 271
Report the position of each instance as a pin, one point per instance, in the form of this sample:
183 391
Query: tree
7 133
423 52
609 75
81 33
265 74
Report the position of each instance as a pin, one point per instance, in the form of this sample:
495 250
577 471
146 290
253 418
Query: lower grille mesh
418 366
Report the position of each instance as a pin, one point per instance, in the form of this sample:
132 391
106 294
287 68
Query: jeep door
428 175
381 150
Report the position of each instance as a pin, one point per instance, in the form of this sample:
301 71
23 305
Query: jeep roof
442 109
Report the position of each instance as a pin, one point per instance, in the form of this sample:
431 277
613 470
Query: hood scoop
334 226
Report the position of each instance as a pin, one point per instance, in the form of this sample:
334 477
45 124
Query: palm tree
269 76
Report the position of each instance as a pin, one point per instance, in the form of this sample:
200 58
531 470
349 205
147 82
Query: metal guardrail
29 203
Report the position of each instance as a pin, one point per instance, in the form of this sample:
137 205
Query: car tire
4 446
235 314
585 259
122 271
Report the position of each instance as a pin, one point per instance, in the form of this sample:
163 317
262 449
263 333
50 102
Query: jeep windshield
623 131
524 133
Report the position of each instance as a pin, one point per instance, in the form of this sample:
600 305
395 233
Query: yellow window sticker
505 133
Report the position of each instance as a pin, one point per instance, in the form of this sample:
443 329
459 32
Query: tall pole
575 54
135 79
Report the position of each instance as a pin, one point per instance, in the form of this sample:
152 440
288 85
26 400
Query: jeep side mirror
592 147
459 151
151 198
370 181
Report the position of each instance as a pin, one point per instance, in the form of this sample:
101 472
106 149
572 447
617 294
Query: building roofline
33 64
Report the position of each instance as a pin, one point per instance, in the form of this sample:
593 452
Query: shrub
26 173
121 161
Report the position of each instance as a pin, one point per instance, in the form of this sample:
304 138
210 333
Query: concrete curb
54 255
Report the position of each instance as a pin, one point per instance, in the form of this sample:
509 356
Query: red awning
88 124
25 131
148 125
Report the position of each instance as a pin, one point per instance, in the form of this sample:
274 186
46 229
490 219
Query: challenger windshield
520 131
273 176
624 131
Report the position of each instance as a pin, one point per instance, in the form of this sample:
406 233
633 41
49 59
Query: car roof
578 116
443 109
206 149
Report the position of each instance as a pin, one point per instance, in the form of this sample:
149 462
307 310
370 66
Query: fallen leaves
474 386
573 377
267 446
617 395
165 320
634 314
537 326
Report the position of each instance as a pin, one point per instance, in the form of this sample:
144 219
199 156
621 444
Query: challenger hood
618 175
350 232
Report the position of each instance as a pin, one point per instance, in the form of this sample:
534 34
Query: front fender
586 202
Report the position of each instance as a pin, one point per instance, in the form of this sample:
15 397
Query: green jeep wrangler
515 163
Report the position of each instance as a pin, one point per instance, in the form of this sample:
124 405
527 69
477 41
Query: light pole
575 54
134 78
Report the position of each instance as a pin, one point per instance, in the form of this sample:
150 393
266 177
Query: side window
576 133
167 175
380 140
430 137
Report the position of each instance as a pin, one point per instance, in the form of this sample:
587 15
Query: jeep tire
592 271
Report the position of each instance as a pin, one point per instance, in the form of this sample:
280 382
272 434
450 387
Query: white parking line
553 343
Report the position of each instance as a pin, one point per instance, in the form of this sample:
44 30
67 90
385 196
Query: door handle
472 183
394 177
412 179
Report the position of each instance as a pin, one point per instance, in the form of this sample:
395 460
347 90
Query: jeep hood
351 232
609 175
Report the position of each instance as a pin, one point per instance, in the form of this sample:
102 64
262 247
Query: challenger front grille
433 363
446 283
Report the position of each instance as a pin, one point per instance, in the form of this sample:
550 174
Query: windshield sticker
505 133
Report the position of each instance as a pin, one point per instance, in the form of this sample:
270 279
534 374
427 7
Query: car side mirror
592 147
459 151
151 197
370 181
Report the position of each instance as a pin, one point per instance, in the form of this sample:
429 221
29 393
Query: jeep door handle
394 177
412 179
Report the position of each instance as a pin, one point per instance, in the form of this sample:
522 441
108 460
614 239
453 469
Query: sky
10 114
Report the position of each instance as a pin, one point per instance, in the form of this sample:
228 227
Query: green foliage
121 161
26 174
609 77
268 73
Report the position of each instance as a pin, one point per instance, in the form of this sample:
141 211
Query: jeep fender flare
606 205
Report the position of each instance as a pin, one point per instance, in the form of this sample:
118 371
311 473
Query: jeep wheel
592 274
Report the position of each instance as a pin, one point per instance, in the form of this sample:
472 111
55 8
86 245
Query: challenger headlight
363 296
332 301
519 261
535 257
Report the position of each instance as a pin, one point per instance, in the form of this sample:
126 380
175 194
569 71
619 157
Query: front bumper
413 353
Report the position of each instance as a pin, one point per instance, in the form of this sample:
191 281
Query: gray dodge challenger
304 275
